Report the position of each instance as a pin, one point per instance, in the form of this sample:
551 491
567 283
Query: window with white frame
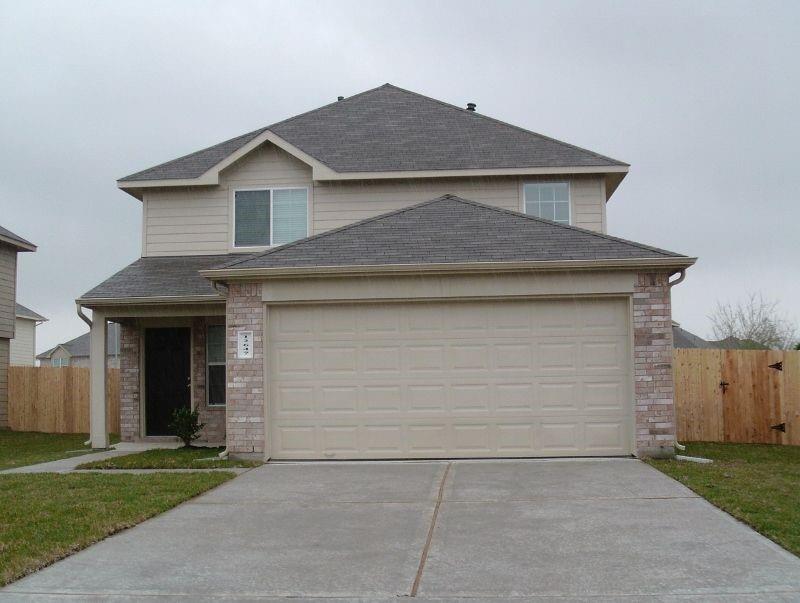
549 200
215 365
59 362
267 217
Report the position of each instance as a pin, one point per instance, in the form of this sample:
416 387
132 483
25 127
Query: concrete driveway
568 530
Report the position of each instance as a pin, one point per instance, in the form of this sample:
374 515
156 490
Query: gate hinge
724 385
778 366
779 427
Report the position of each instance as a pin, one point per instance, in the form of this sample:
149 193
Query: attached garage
450 379
450 329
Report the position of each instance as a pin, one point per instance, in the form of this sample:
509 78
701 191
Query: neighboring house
23 346
684 339
75 352
391 276
10 246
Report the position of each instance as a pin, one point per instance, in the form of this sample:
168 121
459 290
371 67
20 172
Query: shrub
186 425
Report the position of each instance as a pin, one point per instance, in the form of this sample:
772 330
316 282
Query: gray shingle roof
391 129
80 345
159 277
23 312
14 238
446 230
681 338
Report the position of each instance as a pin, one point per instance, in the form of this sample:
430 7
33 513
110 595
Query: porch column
98 430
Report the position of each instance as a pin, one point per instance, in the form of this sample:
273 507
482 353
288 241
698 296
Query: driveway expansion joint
426 548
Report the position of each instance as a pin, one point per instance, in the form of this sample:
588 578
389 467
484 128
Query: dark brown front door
167 376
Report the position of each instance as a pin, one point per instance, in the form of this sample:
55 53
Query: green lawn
19 448
47 516
756 483
180 458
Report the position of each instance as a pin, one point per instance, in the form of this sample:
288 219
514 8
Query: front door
167 377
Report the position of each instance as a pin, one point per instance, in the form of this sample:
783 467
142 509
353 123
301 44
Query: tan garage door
450 379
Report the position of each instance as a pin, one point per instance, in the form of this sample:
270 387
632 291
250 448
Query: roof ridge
601 235
336 230
504 123
331 104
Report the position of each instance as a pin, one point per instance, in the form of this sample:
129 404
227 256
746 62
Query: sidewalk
68 464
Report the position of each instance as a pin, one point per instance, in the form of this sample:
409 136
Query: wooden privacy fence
746 396
56 400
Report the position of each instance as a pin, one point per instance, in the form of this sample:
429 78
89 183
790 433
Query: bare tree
754 320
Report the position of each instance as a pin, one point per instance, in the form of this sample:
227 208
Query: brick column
129 382
212 416
245 389
652 333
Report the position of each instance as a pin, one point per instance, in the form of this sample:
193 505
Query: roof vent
471 106
339 98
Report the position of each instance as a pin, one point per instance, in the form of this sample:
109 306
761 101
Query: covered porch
169 358
172 348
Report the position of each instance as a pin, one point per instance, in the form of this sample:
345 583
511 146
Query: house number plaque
244 348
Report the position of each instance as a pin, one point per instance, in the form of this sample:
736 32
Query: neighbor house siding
197 220
4 353
79 361
24 343
8 286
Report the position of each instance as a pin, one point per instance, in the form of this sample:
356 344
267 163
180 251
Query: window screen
252 218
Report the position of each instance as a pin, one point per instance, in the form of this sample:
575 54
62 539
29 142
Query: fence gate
745 396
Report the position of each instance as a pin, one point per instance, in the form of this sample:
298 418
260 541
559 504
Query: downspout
83 316
85 319
224 293
681 275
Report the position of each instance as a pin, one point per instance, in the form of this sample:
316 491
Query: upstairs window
268 217
548 200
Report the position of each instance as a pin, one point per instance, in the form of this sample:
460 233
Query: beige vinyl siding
339 203
3 382
197 220
588 199
8 285
24 343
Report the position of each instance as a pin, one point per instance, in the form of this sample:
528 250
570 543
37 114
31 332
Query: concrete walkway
66 465
549 530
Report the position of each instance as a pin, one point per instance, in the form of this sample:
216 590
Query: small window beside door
269 217
215 365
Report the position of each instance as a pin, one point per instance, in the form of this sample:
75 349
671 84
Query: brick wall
129 373
245 388
212 416
652 333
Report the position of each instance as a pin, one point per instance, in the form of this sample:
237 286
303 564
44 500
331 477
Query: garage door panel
450 380
604 436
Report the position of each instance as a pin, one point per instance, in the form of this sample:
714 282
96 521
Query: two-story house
391 276
10 245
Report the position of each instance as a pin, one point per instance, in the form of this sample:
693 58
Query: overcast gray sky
701 98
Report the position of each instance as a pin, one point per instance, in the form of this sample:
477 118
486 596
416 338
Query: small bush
186 425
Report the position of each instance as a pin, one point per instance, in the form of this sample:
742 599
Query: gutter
678 263
163 299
